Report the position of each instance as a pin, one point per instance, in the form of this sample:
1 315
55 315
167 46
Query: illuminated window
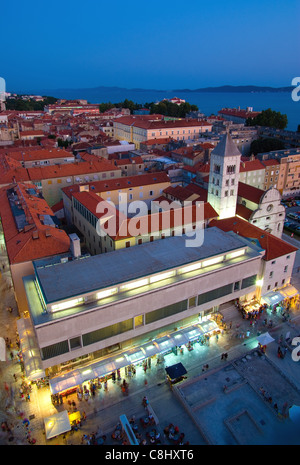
107 293
212 261
193 267
134 284
138 321
67 304
162 276
238 253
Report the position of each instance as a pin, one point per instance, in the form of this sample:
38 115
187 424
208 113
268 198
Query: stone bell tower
224 177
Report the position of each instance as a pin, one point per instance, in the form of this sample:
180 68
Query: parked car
294 216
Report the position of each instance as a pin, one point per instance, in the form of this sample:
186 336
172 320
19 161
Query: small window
138 321
192 302
75 343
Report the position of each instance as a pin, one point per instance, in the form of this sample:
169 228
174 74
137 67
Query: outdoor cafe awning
64 382
273 298
165 343
180 338
208 326
150 349
192 332
56 424
289 291
135 355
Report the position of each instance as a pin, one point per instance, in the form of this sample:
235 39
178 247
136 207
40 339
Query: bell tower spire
224 177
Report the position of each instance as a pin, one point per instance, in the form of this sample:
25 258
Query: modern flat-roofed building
86 307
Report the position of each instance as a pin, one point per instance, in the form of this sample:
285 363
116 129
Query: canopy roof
57 424
175 371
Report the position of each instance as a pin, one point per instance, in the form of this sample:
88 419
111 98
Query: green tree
269 118
265 145
105 106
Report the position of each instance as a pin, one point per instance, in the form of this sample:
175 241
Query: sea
208 102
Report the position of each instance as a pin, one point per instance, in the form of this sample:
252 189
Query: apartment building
287 172
91 214
138 129
252 172
127 189
272 168
29 158
30 232
52 179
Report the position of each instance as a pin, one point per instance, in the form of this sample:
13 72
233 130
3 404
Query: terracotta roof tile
35 240
273 246
250 192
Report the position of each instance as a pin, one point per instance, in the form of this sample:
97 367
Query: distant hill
232 89
228 89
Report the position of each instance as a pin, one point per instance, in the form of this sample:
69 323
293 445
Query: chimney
75 245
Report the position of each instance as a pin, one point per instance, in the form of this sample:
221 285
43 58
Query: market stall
263 340
57 424
175 373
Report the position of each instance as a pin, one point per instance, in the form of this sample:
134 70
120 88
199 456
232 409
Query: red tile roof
145 224
251 165
250 192
243 211
142 122
27 154
70 169
31 133
36 240
239 113
270 162
125 182
273 246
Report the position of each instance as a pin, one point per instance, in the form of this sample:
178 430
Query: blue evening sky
160 44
